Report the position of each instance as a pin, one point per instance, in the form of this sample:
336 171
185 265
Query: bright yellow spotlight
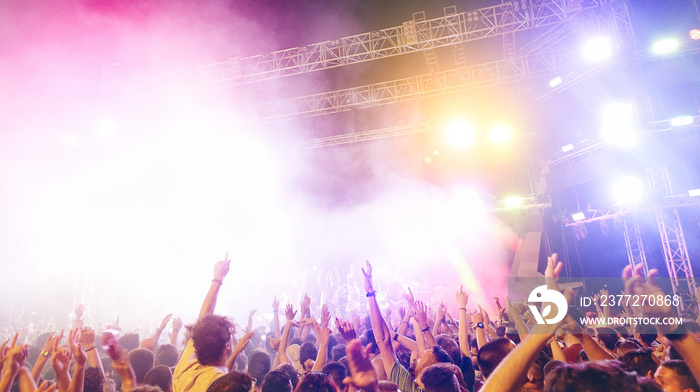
513 201
460 134
500 134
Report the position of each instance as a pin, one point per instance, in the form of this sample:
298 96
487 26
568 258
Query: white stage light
694 192
513 201
597 49
460 134
578 216
618 126
681 121
555 82
627 190
568 147
500 134
665 46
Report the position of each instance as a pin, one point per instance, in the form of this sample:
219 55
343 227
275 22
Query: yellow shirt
192 376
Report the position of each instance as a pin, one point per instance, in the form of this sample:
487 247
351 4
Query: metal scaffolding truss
362 136
411 36
476 76
673 243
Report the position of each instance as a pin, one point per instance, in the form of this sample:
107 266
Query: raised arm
152 342
421 317
276 316
686 344
44 357
220 270
382 334
177 326
282 357
76 384
323 334
240 346
87 341
463 333
13 361
512 371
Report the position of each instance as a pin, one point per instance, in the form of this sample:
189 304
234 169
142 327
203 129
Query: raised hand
74 344
551 273
478 317
367 273
362 373
164 322
421 315
177 324
636 284
275 305
305 304
325 316
402 312
48 344
15 356
87 337
221 268
410 299
462 297
346 329
289 312
60 360
244 342
79 310
441 312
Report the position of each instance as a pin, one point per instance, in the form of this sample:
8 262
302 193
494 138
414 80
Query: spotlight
555 82
436 152
460 134
513 201
597 50
500 134
681 121
568 147
694 192
694 34
618 125
428 160
665 46
627 190
578 216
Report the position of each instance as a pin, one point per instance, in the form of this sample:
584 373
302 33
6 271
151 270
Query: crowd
425 350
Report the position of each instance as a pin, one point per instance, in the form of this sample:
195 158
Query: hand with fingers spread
346 329
362 373
421 315
637 284
60 360
275 305
289 312
478 317
87 338
75 348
